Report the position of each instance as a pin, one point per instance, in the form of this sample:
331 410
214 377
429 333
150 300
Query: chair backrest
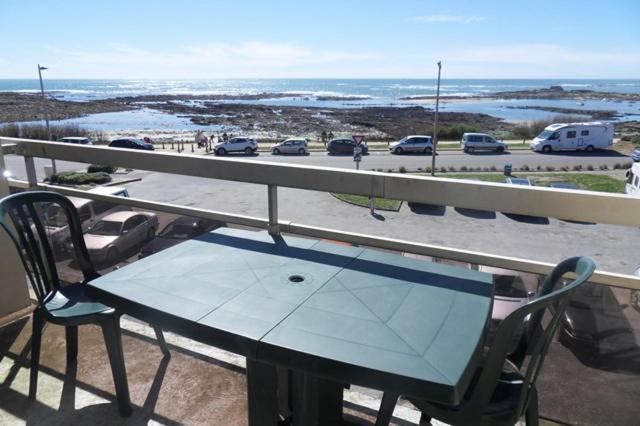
553 298
21 218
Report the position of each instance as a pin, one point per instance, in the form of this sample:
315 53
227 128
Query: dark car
344 146
131 143
595 327
183 228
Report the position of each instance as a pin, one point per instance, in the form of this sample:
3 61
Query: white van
633 180
574 137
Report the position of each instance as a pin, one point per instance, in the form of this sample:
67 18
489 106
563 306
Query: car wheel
428 151
500 149
546 149
248 151
399 151
332 152
221 151
589 148
301 151
276 151
471 150
112 255
151 233
465 149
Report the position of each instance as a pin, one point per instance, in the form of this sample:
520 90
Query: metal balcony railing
618 209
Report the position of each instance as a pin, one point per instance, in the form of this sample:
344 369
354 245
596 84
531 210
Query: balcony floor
197 385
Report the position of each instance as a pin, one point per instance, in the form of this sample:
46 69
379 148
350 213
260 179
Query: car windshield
178 231
545 134
403 140
106 227
54 217
509 286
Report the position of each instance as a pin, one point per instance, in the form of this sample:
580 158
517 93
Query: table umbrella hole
296 279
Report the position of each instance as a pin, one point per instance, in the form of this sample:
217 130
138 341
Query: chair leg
424 420
113 340
36 338
387 405
71 332
531 415
163 344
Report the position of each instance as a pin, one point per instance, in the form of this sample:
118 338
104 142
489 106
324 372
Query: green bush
455 131
402 169
80 178
590 168
525 168
94 168
577 167
604 167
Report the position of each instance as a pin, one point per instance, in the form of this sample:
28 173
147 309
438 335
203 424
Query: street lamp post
46 112
435 125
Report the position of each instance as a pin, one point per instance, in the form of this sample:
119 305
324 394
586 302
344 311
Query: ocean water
305 93
383 90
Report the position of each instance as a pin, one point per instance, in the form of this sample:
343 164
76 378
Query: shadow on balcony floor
197 385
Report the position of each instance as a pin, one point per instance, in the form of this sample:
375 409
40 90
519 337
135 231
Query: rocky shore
553 92
380 122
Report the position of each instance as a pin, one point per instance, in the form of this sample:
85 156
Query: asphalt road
385 161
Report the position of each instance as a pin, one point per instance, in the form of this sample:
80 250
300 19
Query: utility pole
46 113
435 125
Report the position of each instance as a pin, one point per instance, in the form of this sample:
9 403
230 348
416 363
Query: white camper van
574 137
633 181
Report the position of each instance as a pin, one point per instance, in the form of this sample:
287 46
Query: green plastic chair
65 305
500 393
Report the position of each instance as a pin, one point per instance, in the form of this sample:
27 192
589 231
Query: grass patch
586 181
362 201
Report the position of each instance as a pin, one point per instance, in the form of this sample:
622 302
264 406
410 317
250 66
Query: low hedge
93 168
80 178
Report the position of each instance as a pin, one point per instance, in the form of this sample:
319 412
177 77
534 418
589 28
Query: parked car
518 181
89 212
632 187
574 137
595 327
118 233
183 228
76 139
563 185
412 144
131 143
472 142
238 144
636 155
291 146
344 146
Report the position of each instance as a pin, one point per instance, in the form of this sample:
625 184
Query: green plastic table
335 313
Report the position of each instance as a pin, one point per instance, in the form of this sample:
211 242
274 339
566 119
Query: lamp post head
41 68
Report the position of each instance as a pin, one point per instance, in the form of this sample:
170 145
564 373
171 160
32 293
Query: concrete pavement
549 240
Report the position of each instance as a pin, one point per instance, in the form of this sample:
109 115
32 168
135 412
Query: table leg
316 402
262 384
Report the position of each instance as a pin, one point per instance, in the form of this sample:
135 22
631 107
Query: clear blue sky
323 38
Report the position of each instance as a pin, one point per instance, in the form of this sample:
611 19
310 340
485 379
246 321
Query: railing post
274 228
32 178
15 293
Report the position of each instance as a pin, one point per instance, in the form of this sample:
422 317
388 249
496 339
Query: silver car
238 144
472 142
291 146
119 233
412 144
